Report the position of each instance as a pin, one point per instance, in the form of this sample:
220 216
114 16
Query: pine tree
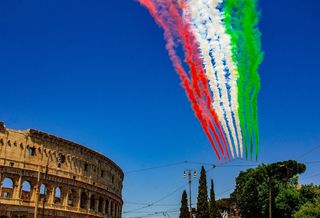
213 204
184 211
202 204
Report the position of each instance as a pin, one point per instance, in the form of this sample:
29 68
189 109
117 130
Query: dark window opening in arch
71 198
86 166
107 207
111 212
100 207
92 202
32 151
102 173
83 200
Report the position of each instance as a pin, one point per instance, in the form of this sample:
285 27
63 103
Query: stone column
17 188
96 208
50 195
65 198
1 184
104 207
120 211
79 200
89 202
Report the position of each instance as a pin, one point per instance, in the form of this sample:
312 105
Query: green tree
287 201
184 211
309 210
202 204
256 189
213 204
310 193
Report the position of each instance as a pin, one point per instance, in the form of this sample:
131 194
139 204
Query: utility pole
270 202
190 182
37 193
45 189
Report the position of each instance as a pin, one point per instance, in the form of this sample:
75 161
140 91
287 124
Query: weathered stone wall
68 179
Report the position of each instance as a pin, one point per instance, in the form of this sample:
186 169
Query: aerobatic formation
219 72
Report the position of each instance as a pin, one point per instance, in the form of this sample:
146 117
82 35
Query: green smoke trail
241 19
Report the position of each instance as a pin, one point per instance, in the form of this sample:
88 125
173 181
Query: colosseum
46 176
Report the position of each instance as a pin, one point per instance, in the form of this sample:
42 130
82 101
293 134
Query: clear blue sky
97 73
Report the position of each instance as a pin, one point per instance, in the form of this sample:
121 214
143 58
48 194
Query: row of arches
27 189
74 199
100 204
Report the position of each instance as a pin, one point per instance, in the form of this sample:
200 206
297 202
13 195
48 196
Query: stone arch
57 195
26 190
111 208
7 187
43 189
93 202
84 200
43 192
106 210
100 206
72 198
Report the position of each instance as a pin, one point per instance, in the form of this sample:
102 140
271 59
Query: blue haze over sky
97 72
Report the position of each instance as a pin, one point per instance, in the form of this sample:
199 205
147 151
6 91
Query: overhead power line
155 167
157 201
164 197
156 213
308 152
189 162
309 177
312 162
145 204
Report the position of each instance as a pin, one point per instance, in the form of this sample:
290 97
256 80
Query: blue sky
97 73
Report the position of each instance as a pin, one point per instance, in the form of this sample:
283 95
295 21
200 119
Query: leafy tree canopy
255 186
309 210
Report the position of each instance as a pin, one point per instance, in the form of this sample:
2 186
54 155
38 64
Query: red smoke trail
178 66
191 50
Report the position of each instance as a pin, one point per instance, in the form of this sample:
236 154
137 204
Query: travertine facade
65 178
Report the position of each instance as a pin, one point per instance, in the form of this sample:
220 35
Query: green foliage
202 204
225 204
254 188
310 193
184 211
287 201
212 203
309 210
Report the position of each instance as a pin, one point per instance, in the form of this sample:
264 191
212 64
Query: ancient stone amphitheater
46 176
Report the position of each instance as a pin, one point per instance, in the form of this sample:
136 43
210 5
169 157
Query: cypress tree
202 204
184 211
213 204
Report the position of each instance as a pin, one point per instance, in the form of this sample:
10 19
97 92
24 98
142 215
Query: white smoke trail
212 39
195 10
216 17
